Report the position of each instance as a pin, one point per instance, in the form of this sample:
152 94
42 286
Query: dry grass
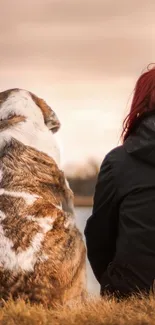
95 311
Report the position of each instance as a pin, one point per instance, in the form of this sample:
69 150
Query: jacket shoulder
118 160
117 154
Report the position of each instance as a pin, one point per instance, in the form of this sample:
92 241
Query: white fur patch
2 216
1 175
29 198
67 184
33 132
25 260
20 102
45 223
70 222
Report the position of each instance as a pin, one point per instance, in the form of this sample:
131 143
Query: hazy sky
83 58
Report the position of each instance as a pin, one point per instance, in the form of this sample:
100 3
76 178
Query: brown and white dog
42 254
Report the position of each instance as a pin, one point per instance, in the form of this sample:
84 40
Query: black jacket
120 234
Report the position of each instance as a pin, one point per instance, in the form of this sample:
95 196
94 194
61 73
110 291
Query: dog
42 253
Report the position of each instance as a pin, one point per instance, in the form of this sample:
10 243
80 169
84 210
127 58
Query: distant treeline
84 185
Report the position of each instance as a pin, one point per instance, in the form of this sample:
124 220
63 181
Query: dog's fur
42 254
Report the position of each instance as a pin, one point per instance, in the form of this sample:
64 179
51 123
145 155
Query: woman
120 234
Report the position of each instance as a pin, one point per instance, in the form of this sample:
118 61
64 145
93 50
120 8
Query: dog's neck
28 134
31 132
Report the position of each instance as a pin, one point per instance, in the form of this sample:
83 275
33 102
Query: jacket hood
141 143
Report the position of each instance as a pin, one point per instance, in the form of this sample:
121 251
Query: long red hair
143 101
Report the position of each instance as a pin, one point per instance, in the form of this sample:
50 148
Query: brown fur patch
5 94
61 276
7 123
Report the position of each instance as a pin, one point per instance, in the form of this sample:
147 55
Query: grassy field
94 311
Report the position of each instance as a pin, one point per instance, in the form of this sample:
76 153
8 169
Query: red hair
143 101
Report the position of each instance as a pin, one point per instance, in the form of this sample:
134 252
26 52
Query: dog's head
29 119
24 105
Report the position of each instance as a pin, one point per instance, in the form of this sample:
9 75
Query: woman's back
127 251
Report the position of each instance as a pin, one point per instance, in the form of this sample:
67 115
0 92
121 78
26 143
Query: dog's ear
50 117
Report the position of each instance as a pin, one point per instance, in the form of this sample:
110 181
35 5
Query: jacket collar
141 143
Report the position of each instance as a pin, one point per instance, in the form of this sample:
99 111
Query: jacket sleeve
101 227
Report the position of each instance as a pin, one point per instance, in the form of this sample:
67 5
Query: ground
95 311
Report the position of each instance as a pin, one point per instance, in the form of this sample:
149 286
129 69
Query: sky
83 57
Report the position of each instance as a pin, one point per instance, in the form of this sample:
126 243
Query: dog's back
42 254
